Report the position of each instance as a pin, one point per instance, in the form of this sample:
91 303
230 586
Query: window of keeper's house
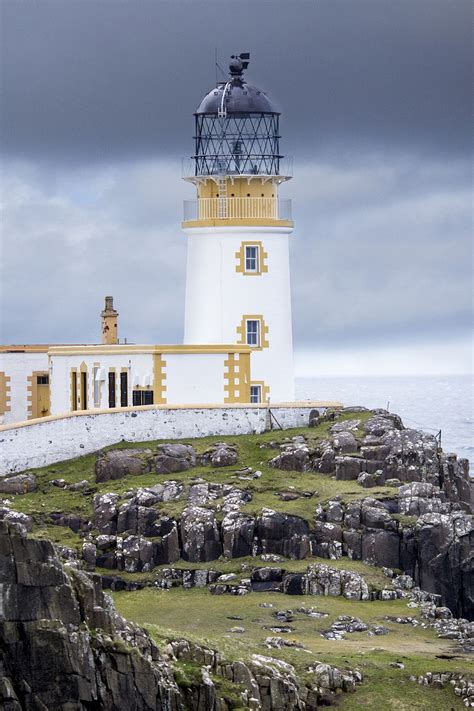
142 397
255 393
251 258
253 333
42 379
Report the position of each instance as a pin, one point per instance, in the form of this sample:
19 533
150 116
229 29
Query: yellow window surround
265 389
262 259
263 331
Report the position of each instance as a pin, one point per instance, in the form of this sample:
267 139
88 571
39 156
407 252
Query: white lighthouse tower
238 276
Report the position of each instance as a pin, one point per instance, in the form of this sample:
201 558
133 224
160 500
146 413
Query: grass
253 450
204 619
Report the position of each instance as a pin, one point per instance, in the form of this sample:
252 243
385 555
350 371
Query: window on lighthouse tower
251 258
253 333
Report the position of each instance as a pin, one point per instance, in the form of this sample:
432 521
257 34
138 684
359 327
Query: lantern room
237 165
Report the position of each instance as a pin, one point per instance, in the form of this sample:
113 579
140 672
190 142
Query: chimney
109 322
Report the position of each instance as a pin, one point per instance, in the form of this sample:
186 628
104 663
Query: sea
431 403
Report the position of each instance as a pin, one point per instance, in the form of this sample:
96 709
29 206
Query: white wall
18 366
53 439
217 297
194 378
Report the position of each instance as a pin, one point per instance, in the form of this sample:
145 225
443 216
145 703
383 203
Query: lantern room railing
237 208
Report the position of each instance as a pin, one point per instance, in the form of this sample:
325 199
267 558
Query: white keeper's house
238 329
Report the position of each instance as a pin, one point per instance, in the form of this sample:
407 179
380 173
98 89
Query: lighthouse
237 229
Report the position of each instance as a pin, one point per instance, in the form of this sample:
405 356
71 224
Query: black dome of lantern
240 97
237 128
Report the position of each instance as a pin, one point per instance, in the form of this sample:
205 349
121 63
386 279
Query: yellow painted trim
5 393
265 389
238 223
310 405
25 349
133 348
159 377
33 395
242 331
237 378
262 259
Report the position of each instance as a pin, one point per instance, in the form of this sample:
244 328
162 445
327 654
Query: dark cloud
114 80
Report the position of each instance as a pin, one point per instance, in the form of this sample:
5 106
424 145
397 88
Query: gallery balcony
237 211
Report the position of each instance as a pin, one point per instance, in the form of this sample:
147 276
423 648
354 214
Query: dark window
42 379
142 397
74 389
111 389
83 391
123 389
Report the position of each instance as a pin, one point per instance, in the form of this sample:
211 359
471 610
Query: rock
314 418
344 442
237 534
445 543
118 463
370 480
418 498
20 484
237 630
326 463
282 534
45 635
137 554
174 458
294 458
220 454
89 553
200 535
21 521
105 512
79 486
347 468
137 520
346 426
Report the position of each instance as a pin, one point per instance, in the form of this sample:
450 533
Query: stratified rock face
200 535
446 551
282 534
50 659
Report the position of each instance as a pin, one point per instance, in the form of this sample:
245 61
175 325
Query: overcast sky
97 112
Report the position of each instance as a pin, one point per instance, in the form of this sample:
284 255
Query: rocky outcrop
57 624
281 534
63 645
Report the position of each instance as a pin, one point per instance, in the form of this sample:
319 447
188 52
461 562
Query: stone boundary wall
41 442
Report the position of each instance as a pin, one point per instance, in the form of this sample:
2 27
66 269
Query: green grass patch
204 619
